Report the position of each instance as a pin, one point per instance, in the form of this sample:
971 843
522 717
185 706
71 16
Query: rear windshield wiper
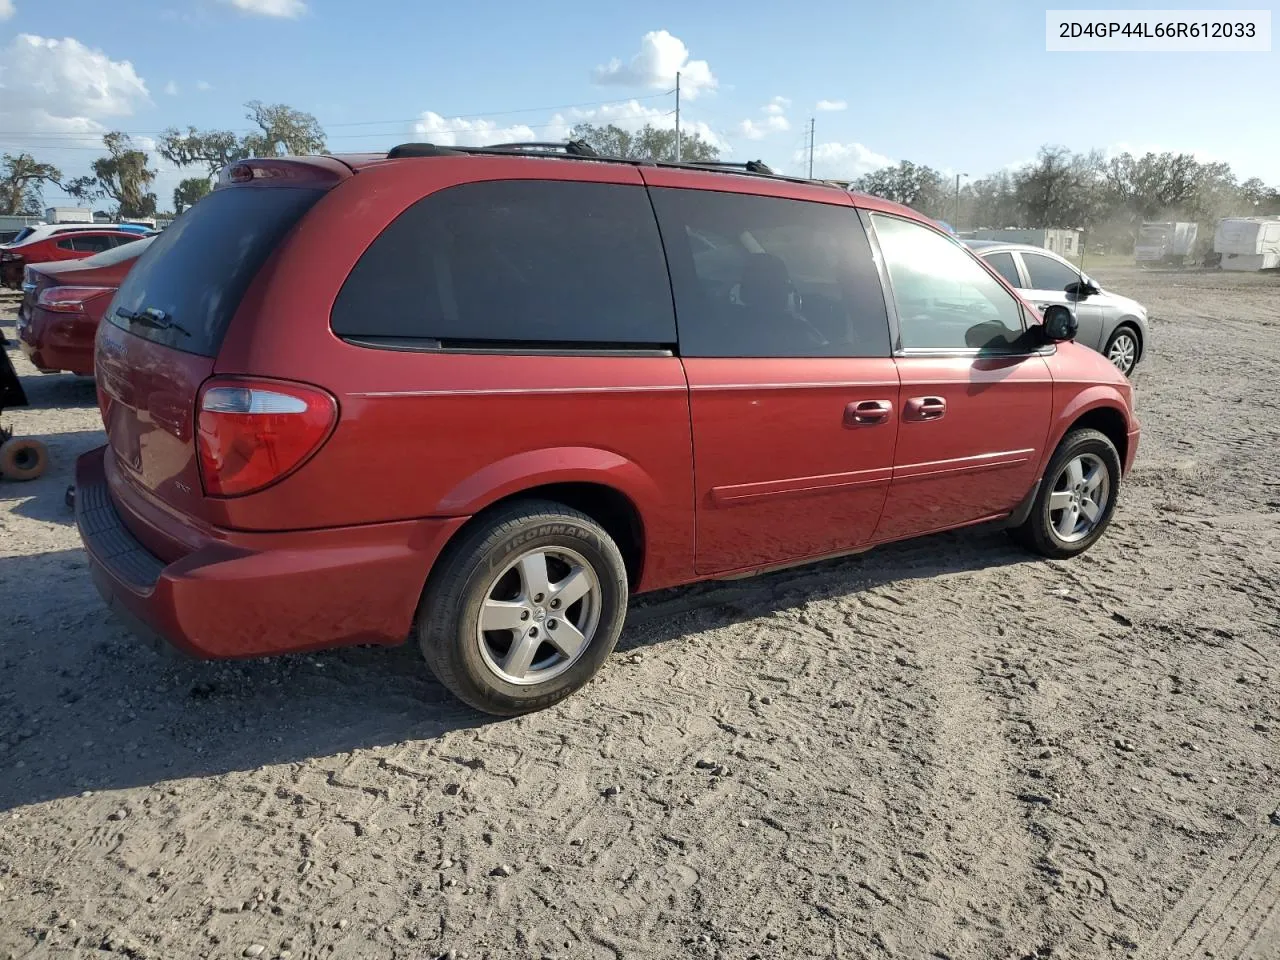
151 317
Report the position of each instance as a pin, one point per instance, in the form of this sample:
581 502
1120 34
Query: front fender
536 468
1096 397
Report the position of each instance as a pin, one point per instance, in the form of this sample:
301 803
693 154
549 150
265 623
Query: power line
73 135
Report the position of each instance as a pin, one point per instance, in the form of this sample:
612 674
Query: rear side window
92 242
1003 264
125 249
768 277
197 271
506 263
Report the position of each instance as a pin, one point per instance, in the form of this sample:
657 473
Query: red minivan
63 302
478 397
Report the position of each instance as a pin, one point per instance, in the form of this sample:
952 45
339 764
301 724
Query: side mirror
1059 323
1081 290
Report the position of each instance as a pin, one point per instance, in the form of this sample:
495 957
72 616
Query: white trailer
68 215
1165 242
1248 243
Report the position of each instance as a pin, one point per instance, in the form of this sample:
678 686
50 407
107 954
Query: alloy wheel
1079 498
539 615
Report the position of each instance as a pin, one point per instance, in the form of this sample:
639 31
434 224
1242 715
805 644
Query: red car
71 245
63 303
478 397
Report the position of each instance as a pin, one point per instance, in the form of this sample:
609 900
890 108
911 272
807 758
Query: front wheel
1076 499
1123 349
523 609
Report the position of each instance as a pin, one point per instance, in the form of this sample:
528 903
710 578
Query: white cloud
468 131
774 123
841 161
632 115
828 106
661 56
271 8
6 9
777 106
203 85
64 87
171 89
67 79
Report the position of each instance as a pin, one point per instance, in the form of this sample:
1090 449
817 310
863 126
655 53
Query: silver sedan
1109 323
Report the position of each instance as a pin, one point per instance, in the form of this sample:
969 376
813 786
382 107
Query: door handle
867 412
925 408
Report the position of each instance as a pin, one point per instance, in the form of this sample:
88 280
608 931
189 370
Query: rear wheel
22 458
524 608
1123 349
1076 499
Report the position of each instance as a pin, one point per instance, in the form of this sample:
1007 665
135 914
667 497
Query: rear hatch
163 329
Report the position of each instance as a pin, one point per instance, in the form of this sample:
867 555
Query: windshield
23 234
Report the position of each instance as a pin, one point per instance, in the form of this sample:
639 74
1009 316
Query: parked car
42 231
69 245
1109 323
479 398
62 304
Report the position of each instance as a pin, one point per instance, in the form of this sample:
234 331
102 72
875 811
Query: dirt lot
945 749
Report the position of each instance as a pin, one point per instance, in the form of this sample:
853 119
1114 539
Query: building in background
1063 242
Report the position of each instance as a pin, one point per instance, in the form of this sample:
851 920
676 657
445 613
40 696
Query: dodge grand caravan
479 397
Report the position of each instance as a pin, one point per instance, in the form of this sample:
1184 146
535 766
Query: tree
122 175
285 131
916 186
186 193
1060 189
995 203
282 131
213 148
648 143
21 179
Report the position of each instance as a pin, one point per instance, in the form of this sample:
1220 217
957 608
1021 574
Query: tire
495 560
1039 532
23 458
1134 338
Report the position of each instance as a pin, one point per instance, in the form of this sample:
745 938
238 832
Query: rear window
197 271
515 263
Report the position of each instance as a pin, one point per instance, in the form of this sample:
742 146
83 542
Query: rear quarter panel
444 435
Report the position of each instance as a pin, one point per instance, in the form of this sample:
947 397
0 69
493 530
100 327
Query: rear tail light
69 299
252 433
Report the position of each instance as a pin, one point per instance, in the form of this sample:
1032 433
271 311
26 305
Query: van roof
577 151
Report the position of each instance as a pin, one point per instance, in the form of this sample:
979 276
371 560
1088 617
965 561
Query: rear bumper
247 595
56 342
1131 450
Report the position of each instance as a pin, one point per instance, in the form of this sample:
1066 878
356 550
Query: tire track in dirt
1232 912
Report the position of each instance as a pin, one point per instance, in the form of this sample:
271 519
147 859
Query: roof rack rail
750 166
575 148
581 150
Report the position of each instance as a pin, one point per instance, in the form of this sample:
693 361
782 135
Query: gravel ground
944 749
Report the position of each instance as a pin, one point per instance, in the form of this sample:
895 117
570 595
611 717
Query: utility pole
677 116
811 124
956 213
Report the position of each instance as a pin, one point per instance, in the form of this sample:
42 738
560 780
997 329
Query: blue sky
964 87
